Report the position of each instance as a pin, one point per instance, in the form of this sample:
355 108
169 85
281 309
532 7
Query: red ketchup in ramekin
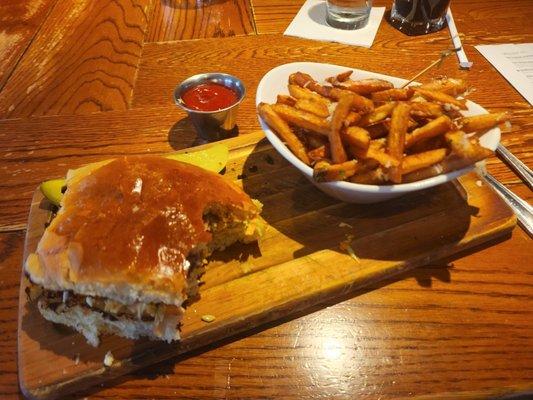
209 96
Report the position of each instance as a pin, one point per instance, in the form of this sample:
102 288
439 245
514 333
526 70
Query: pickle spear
52 190
213 158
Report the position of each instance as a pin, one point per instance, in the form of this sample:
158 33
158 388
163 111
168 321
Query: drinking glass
348 14
418 17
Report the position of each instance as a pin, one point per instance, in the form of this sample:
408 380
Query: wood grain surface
84 60
246 286
189 19
19 22
460 328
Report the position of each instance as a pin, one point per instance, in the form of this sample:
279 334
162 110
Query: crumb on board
346 245
344 225
208 318
245 268
109 359
479 183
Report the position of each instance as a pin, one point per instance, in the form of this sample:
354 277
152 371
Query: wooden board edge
239 326
517 392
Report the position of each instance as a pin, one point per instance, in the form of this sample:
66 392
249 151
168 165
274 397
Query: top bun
126 227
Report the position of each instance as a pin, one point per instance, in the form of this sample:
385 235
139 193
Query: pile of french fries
367 131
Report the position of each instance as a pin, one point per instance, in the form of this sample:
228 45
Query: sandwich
130 240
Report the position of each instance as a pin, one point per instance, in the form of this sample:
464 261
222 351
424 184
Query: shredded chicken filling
60 301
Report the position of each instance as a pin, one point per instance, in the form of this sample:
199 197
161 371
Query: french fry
363 86
376 152
288 100
461 144
396 139
441 97
392 95
433 128
338 154
356 136
377 115
478 153
320 153
359 103
307 82
411 124
314 107
451 86
425 109
483 122
433 143
378 144
352 118
325 172
450 163
376 176
302 93
425 159
302 119
344 76
284 131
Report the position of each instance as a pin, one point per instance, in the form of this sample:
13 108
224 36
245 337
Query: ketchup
209 97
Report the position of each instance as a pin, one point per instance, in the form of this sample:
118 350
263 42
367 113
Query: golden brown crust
125 229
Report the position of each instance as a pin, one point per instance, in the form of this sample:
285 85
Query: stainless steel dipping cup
212 125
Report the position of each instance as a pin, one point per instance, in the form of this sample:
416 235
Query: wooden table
86 80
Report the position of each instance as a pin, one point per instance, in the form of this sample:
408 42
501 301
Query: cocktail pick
436 63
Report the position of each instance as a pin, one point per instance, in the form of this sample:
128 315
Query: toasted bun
126 228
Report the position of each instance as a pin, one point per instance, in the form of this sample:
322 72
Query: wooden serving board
297 265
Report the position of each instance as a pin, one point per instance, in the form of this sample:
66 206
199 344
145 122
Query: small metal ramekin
212 125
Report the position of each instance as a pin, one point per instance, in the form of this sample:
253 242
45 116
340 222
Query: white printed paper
515 63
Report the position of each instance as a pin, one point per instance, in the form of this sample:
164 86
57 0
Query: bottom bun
92 324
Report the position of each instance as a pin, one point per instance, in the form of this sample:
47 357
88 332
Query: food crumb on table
208 318
109 359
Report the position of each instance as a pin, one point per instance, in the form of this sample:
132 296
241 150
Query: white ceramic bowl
275 82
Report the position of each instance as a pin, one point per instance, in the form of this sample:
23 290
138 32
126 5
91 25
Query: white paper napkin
310 23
